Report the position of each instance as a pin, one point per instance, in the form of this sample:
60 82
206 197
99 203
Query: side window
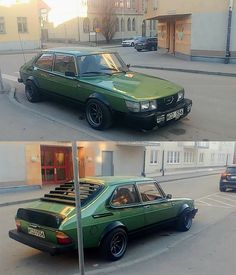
45 61
149 191
64 63
125 195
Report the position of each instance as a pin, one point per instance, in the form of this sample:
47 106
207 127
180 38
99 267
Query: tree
108 25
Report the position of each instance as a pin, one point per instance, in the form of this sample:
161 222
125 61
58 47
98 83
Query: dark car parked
228 179
148 43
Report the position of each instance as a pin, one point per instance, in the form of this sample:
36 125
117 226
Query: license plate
175 115
36 232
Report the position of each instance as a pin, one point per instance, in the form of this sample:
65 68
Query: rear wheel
98 115
132 44
138 50
32 92
114 244
185 220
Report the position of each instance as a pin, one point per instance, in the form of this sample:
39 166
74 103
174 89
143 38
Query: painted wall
11 39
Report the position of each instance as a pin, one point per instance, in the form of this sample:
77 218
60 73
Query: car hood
135 85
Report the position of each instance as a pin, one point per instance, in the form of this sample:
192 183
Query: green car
102 83
113 208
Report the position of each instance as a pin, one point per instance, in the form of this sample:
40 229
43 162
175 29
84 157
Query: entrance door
56 164
171 31
107 163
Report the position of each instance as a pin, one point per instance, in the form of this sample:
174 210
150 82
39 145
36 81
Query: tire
222 188
98 115
138 50
132 44
114 244
152 48
32 92
185 220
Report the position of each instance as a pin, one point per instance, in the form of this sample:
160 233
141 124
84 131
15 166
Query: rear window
231 170
65 193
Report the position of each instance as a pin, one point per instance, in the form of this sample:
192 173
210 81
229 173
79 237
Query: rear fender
110 227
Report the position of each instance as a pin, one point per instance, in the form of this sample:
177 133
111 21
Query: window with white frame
133 25
212 157
22 24
129 24
188 157
2 25
173 157
201 158
153 157
155 4
221 158
128 4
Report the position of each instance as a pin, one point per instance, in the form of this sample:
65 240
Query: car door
127 207
64 80
157 208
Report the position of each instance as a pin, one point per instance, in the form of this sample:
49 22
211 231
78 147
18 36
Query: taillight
18 225
62 238
224 175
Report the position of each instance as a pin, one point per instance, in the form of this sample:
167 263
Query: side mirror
70 74
168 196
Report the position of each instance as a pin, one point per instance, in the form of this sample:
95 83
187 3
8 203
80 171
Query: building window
133 4
154 24
212 157
129 25
86 25
188 157
173 157
116 4
133 25
2 25
201 158
203 144
221 158
121 3
128 4
117 25
155 4
95 24
22 24
122 25
153 157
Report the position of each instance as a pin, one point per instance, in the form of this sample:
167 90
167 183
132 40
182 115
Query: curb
185 70
17 202
13 99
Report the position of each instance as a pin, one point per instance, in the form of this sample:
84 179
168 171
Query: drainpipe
227 52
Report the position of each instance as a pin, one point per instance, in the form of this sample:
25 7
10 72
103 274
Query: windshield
102 63
231 170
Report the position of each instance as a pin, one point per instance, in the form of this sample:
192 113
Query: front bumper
38 243
149 120
228 183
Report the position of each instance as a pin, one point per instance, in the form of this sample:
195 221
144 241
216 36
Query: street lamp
227 52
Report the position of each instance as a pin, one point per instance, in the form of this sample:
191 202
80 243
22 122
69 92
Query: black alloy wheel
32 92
98 115
114 244
185 220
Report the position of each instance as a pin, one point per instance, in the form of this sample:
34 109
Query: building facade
20 25
129 23
195 30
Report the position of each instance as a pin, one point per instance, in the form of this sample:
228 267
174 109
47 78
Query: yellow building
194 29
20 24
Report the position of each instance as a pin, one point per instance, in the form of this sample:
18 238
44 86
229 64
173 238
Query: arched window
133 25
117 25
144 28
86 25
129 25
122 25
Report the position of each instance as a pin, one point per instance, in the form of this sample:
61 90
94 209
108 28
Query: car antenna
22 49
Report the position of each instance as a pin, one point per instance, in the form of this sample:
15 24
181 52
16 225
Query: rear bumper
151 119
38 243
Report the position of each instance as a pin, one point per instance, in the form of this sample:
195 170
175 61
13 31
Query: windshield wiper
114 70
100 73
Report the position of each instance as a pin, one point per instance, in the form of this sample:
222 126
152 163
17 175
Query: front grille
166 103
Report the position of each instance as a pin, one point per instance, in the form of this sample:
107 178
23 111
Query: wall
11 39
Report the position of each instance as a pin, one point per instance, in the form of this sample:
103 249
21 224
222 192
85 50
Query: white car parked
131 41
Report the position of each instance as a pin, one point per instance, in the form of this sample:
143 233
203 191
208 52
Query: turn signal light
62 238
18 225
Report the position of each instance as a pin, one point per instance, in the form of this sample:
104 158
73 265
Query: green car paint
112 88
100 215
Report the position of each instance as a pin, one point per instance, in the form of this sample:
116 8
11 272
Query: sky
63 10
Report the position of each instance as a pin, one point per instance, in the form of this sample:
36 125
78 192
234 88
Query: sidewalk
24 194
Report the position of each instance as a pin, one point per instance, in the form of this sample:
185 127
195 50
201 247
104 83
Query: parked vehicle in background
101 82
131 41
113 208
228 178
148 43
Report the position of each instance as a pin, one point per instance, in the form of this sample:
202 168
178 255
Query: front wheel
185 220
98 115
32 92
114 244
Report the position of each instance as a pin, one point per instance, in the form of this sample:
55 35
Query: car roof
78 51
231 166
114 180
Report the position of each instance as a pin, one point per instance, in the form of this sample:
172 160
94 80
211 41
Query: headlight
141 106
180 96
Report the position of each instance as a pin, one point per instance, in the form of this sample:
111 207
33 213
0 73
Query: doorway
171 32
56 164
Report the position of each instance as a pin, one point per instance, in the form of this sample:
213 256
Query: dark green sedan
113 208
100 81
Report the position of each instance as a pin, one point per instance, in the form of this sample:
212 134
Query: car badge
169 100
